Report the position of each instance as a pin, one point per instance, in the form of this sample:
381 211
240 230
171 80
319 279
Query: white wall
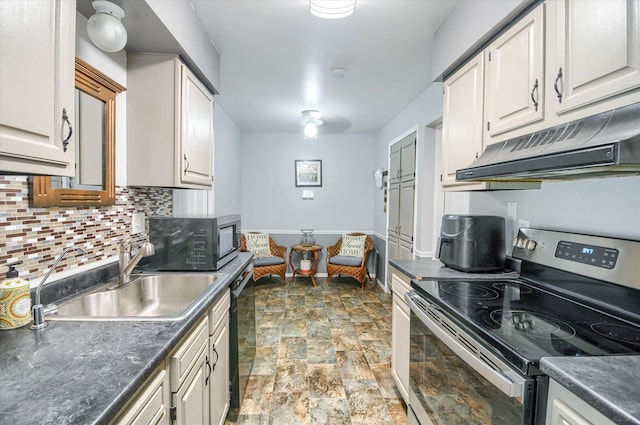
422 112
228 164
609 207
271 201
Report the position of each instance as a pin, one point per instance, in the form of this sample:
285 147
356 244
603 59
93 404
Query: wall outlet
523 223
512 209
137 223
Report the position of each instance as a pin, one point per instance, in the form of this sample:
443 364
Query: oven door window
447 390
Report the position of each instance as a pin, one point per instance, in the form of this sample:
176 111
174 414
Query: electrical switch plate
512 208
307 194
137 223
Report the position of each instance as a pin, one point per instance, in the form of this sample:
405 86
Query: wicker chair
337 264
266 266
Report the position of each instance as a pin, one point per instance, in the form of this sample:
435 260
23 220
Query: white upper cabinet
515 76
462 120
37 52
597 51
169 124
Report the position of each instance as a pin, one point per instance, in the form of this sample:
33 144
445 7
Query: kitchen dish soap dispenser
15 301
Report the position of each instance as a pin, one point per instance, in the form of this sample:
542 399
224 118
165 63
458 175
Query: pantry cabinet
37 53
169 124
402 178
400 284
597 52
515 76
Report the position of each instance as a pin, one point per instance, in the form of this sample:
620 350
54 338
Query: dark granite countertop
85 372
426 268
609 384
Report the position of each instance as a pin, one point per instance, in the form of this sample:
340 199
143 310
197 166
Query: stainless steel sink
166 296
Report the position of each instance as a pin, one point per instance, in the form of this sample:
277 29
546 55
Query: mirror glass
90 134
94 138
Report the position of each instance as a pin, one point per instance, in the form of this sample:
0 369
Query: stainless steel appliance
476 344
472 243
194 243
600 145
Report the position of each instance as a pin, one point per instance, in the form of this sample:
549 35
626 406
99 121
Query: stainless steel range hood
606 144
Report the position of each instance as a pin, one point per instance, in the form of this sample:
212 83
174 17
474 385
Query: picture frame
308 172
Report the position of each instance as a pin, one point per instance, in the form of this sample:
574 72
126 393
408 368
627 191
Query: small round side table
304 249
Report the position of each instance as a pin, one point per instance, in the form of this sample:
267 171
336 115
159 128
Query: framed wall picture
308 173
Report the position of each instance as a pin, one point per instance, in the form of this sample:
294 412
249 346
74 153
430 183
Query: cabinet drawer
151 405
219 310
186 357
400 283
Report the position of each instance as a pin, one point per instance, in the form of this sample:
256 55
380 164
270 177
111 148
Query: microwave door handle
512 386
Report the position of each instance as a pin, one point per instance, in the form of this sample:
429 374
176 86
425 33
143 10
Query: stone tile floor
323 356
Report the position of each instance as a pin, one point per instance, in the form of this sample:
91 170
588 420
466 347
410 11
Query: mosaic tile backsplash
34 237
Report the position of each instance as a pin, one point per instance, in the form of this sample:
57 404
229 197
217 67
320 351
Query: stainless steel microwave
193 243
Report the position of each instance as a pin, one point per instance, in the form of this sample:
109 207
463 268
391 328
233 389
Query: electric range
577 295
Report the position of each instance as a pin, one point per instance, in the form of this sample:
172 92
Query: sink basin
167 296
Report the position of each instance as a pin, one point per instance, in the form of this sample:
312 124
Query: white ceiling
276 60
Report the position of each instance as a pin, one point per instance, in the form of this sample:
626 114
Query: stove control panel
610 259
588 254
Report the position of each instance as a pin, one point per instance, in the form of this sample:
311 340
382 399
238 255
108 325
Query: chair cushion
346 260
267 261
258 244
353 245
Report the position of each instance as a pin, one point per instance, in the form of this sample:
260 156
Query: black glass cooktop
525 322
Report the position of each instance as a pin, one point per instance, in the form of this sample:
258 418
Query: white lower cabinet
192 386
563 407
151 405
219 392
190 369
400 333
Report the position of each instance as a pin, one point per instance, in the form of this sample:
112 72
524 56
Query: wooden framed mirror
95 123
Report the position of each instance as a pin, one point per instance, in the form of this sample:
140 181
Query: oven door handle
507 381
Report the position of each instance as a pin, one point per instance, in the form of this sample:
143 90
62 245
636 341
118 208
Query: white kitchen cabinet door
462 125
196 143
191 401
219 381
169 124
37 82
597 52
515 76
400 333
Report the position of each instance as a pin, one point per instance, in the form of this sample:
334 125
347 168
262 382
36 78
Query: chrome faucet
38 308
127 264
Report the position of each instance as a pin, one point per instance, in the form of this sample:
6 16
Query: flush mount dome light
105 28
332 9
311 121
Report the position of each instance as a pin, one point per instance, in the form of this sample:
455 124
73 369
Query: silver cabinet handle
186 164
65 118
534 99
555 85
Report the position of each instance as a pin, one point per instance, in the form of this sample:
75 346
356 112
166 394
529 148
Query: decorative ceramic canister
15 301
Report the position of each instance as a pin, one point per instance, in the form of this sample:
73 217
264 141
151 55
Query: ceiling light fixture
105 28
311 121
332 9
